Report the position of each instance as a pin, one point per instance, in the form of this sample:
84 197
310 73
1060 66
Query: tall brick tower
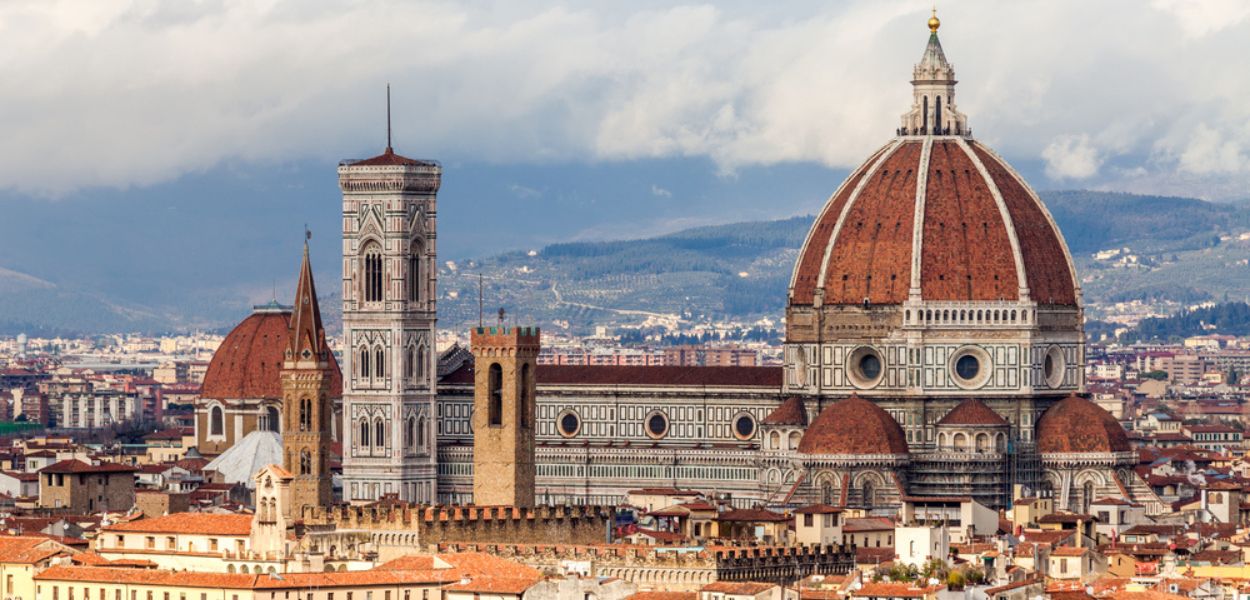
389 316
306 375
504 360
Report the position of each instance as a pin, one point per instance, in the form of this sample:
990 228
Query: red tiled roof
871 257
751 515
78 466
27 549
893 590
790 412
248 363
203 523
854 426
492 585
972 412
817 509
745 588
388 158
1076 425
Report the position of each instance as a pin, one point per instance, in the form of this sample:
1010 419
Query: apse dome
248 363
854 427
1077 426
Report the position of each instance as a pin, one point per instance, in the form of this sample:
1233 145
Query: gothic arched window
364 363
408 362
409 432
305 462
373 272
379 368
494 387
304 418
216 421
420 367
364 433
924 124
937 112
421 433
414 273
379 437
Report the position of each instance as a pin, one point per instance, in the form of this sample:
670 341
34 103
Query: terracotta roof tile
248 363
78 466
854 426
972 412
1076 425
789 412
204 523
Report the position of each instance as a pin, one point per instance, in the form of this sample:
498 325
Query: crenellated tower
389 317
306 378
504 386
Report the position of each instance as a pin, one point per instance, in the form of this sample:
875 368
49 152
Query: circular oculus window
744 427
657 425
1053 367
970 367
865 367
569 424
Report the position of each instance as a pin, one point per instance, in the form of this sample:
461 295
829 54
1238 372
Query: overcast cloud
1121 95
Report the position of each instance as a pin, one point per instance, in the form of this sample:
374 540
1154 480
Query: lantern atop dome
933 82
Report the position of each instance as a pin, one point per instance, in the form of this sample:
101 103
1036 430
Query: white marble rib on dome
239 463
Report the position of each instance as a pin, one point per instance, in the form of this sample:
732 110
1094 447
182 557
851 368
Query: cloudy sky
1132 95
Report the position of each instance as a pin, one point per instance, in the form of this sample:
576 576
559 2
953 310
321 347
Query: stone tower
504 360
306 376
389 277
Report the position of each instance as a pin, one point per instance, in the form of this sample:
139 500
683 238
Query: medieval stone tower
306 376
504 361
389 293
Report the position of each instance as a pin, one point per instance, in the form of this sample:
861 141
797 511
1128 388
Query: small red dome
248 363
1076 425
973 412
854 426
983 235
790 412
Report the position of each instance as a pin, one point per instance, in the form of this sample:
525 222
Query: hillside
1183 251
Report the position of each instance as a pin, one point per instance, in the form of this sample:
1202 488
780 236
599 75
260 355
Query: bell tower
306 374
504 360
389 317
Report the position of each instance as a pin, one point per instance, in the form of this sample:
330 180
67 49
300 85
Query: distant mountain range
1184 250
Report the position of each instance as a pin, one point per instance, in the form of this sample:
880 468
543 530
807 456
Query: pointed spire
389 149
306 334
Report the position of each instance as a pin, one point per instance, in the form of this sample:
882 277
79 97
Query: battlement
505 337
407 515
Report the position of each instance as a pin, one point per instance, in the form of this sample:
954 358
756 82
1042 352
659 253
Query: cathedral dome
248 363
973 412
1077 426
854 426
936 219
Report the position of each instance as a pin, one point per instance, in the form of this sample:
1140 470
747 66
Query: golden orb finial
934 22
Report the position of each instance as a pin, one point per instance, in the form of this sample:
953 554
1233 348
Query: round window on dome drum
967 367
865 367
744 427
657 425
870 366
570 424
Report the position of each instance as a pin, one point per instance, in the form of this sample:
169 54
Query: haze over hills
1184 250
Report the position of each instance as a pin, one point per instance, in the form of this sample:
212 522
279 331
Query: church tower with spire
389 317
306 376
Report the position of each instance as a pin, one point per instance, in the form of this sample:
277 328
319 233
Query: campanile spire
933 82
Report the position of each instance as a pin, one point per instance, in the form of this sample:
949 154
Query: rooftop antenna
388 118
479 300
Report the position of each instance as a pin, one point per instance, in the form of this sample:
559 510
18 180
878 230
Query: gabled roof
789 412
78 466
190 523
973 412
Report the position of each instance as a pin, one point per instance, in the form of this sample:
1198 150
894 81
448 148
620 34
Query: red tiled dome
790 412
248 362
854 426
971 246
973 412
1076 425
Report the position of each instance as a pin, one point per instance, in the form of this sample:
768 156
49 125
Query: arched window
937 115
414 275
960 441
216 421
379 369
869 492
364 363
983 442
408 362
373 273
525 404
379 437
924 124
303 414
409 432
272 421
494 387
364 433
795 438
305 462
421 363
421 433
774 441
